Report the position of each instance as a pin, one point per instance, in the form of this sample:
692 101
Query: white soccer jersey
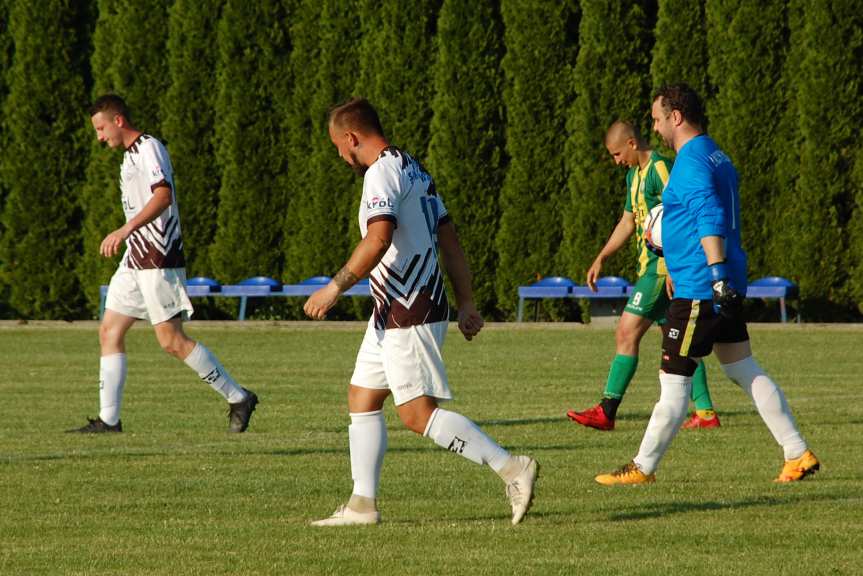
146 166
407 284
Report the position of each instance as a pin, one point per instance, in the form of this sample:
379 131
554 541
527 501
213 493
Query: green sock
620 375
700 393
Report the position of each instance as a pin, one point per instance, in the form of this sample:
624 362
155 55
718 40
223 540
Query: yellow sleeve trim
662 170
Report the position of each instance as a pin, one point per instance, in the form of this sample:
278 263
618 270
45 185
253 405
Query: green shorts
648 298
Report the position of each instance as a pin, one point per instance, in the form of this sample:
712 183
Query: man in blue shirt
707 265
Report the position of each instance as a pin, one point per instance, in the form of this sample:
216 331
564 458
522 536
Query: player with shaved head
645 180
405 227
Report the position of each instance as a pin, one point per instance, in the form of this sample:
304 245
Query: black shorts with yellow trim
692 327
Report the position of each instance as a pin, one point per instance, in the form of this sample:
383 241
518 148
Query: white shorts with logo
406 361
156 295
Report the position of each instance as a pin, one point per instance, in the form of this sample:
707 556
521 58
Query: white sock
668 415
112 378
771 404
457 434
202 361
367 436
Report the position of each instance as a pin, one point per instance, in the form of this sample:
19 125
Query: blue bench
550 287
606 287
614 287
775 287
255 287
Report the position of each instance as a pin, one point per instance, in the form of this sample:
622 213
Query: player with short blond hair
149 283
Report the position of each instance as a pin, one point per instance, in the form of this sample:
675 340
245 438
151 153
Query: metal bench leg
242 308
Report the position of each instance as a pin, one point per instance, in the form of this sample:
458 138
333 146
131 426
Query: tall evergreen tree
188 116
396 62
856 231
129 59
254 50
787 145
6 48
831 112
325 218
301 217
467 156
540 37
611 82
680 48
44 163
747 43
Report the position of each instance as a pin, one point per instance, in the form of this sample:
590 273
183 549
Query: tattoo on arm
344 278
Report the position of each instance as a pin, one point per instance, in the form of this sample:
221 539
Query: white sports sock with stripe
211 371
458 434
771 404
367 436
112 378
667 417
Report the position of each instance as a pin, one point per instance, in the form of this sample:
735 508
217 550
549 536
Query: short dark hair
110 103
356 114
685 100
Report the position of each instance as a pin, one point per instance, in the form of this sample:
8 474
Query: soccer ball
653 230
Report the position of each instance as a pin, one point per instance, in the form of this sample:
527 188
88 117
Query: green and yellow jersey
644 187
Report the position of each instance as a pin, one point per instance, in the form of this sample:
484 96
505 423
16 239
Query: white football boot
520 490
344 516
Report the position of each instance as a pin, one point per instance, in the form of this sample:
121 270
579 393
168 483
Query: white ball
653 230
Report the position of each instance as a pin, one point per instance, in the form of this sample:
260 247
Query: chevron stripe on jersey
407 284
158 244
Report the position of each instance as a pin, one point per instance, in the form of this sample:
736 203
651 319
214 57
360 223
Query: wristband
718 271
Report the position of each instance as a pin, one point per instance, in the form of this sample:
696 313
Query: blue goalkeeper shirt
701 199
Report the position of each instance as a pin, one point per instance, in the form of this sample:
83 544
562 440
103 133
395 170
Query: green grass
177 495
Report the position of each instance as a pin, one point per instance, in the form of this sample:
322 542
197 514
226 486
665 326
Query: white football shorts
406 361
156 294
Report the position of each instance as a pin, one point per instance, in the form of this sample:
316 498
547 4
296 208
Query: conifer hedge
680 48
397 55
612 81
253 77
301 222
828 87
747 41
6 48
188 118
540 37
506 101
467 156
44 156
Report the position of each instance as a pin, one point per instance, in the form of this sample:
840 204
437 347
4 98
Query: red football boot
695 421
592 418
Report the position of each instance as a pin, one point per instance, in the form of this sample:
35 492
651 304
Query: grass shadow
669 509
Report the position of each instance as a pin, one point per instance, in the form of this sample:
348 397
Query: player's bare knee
627 339
110 336
177 346
414 420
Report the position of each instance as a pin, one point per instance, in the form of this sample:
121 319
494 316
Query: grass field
175 494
